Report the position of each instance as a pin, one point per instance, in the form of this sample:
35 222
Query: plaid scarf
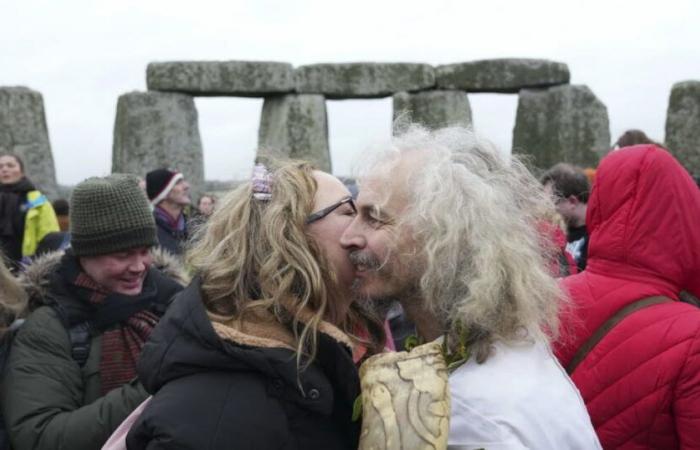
121 345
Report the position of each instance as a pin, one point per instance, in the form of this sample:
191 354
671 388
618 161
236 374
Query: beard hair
381 305
365 258
409 289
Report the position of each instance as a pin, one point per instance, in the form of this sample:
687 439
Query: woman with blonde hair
256 352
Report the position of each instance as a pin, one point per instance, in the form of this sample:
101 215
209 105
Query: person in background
206 205
205 208
55 241
631 346
169 194
26 215
62 209
634 137
590 174
570 189
70 375
256 352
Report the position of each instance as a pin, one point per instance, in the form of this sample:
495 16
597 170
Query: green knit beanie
110 214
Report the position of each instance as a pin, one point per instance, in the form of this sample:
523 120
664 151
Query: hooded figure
641 382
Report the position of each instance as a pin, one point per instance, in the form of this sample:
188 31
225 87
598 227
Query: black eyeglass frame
318 215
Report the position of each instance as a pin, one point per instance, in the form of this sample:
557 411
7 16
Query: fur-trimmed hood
37 276
262 329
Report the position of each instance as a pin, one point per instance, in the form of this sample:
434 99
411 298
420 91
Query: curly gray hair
475 216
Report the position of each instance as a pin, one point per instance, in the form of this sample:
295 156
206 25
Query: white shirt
520 398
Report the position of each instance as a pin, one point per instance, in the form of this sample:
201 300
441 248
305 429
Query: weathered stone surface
683 124
221 78
154 130
363 80
23 132
433 109
295 126
501 75
561 124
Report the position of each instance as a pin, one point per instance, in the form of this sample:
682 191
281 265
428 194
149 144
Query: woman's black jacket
211 393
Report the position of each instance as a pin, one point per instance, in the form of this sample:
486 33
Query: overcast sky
81 55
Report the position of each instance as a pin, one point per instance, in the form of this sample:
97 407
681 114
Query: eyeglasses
318 215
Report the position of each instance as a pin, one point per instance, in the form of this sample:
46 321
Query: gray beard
382 306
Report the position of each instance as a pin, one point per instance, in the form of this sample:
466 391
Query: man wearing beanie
169 194
70 377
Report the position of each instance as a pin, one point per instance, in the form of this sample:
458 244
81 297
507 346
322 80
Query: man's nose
352 237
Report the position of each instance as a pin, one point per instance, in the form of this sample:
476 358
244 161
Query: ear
573 200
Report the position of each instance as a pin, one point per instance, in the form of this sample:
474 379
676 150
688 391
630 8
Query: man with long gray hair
449 228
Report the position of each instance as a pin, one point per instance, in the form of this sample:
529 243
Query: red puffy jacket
641 383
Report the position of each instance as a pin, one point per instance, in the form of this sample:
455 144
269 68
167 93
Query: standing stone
561 124
363 80
683 124
23 132
433 109
154 130
501 75
222 78
295 126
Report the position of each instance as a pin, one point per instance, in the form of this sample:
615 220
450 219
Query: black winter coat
211 393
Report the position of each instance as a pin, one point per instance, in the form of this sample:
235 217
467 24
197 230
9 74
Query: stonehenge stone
154 130
363 80
501 75
221 78
433 109
295 126
683 124
23 131
561 124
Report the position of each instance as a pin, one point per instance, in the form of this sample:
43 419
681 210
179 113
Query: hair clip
262 182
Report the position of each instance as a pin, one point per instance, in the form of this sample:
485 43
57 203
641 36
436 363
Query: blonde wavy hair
258 254
474 215
13 298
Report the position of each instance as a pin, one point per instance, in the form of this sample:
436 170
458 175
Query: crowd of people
550 312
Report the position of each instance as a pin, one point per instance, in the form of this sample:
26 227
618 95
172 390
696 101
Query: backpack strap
608 325
79 335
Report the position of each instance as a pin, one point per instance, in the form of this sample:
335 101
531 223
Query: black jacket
211 393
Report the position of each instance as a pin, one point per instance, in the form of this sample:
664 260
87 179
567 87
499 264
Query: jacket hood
36 278
186 342
642 219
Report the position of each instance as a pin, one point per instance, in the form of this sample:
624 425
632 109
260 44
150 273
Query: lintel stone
501 75
221 78
363 80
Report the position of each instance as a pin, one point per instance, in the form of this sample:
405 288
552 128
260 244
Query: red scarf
121 346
